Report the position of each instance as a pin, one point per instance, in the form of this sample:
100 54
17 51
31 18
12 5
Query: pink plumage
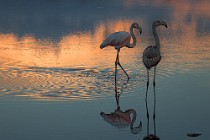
117 39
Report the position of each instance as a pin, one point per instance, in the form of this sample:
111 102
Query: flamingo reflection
119 40
121 119
151 55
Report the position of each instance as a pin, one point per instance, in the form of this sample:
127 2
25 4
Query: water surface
55 80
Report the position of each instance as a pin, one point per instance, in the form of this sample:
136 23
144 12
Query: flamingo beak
164 24
140 29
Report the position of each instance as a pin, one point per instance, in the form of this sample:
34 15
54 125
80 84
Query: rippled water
77 69
54 57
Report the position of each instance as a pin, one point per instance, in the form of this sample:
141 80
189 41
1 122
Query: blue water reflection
54 19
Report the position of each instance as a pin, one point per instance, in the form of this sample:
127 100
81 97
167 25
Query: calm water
55 80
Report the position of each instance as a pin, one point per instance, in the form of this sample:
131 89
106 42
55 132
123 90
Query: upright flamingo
151 55
119 40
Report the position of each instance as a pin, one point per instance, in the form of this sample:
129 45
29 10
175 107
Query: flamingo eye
136 25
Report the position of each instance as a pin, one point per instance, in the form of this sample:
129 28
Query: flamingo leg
147 83
154 93
123 70
154 116
147 77
118 62
116 92
154 76
147 117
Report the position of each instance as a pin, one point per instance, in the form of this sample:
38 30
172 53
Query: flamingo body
117 39
151 57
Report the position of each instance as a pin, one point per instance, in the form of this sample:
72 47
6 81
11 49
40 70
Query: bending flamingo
119 40
151 55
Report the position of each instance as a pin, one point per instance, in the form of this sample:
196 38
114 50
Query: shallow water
55 80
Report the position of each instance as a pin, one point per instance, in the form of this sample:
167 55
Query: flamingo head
159 22
136 25
136 130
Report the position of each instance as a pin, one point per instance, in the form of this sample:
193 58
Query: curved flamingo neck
134 38
157 41
133 112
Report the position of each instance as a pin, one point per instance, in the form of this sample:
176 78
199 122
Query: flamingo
119 40
151 55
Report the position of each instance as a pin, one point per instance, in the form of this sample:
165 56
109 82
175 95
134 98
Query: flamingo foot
154 83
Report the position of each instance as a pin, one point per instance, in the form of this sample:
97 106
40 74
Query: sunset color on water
56 83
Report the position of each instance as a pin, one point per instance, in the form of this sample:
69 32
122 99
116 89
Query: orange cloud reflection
80 49
182 46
